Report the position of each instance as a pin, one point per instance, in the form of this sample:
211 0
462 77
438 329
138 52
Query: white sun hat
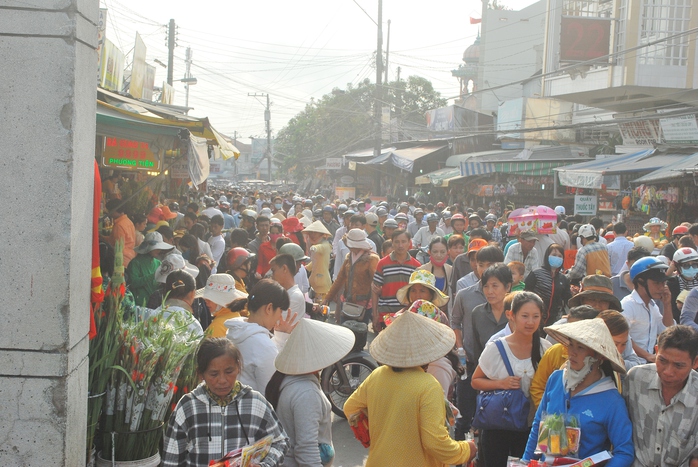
357 238
220 289
312 346
412 340
592 333
174 262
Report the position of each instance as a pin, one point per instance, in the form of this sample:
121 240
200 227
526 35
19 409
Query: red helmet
237 257
680 230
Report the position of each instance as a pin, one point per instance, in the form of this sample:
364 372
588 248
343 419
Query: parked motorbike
340 380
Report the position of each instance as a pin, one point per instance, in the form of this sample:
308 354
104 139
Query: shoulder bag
502 409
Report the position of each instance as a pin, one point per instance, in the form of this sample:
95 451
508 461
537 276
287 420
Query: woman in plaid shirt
221 414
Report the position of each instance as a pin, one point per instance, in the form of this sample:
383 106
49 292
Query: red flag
475 20
97 295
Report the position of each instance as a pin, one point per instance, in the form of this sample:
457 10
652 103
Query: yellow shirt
217 327
320 279
552 360
406 417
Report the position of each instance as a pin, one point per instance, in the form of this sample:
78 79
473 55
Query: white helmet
560 210
684 255
645 243
587 231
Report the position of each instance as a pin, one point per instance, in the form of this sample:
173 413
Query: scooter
340 380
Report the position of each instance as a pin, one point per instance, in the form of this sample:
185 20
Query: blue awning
468 169
591 174
686 165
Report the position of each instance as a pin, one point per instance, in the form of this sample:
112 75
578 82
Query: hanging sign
126 153
585 205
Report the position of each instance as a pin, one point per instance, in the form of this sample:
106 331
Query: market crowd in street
591 330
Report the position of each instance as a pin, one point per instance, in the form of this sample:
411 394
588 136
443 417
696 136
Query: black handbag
502 409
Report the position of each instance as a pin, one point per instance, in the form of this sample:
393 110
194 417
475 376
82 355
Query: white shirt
618 253
301 279
493 366
297 303
424 236
531 262
562 238
217 245
544 241
645 321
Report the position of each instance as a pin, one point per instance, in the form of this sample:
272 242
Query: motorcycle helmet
237 257
679 230
648 267
685 255
432 217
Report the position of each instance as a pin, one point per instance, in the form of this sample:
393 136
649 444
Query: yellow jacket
406 417
217 327
552 360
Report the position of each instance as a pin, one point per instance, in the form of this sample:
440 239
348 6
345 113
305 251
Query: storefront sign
180 169
129 154
346 180
585 205
345 192
680 130
641 133
333 163
607 206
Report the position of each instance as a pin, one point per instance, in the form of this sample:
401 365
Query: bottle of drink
461 356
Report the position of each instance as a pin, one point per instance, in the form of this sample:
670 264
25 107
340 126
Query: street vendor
655 229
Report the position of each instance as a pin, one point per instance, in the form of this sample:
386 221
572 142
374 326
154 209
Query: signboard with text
126 153
583 39
585 205
680 130
333 163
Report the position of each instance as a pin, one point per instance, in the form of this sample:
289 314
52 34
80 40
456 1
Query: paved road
348 451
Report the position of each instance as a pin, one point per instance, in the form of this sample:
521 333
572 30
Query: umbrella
539 219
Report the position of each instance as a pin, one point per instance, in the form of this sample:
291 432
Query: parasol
539 219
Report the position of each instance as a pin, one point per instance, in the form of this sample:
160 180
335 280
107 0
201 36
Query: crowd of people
589 322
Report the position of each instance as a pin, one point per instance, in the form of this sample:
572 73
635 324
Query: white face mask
572 378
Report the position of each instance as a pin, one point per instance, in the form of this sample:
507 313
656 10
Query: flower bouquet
154 349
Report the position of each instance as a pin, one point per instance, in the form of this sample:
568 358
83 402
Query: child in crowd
387 248
518 269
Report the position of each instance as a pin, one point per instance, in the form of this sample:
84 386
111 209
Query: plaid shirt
663 435
591 257
197 416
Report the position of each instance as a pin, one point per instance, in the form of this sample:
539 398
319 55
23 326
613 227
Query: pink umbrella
539 219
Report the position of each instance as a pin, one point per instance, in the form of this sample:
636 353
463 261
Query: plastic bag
559 434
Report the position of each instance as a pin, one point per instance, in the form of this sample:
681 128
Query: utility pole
235 161
187 76
377 106
387 54
170 51
267 121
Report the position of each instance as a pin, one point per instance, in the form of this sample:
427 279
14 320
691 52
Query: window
661 19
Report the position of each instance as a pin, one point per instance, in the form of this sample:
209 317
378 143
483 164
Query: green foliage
342 121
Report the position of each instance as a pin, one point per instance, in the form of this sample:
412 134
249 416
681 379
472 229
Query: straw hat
318 227
412 340
591 333
312 346
599 287
427 279
153 241
220 289
174 262
357 238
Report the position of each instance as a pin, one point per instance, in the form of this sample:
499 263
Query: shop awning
403 158
687 165
590 174
153 113
469 169
499 154
531 169
437 177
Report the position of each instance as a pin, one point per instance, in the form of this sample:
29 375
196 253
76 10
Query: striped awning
531 169
469 169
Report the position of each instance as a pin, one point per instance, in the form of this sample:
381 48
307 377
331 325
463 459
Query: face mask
274 238
439 263
572 378
278 205
689 273
186 255
554 261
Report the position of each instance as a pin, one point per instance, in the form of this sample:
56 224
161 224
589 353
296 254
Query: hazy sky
292 49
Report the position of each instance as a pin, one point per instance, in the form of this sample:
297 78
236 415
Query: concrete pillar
47 140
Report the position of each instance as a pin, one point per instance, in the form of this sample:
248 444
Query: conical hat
412 340
592 333
312 346
317 226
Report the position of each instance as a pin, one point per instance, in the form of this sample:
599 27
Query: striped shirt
390 276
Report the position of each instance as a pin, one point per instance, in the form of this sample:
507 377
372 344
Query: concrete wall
46 177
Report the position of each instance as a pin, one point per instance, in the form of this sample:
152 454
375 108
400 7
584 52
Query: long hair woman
523 348
438 256
550 284
221 414
253 335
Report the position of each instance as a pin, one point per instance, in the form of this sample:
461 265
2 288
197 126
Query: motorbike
340 380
